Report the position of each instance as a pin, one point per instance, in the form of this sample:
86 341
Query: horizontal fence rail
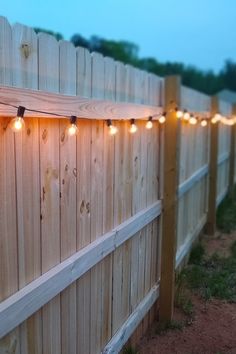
28 300
120 338
189 183
71 105
223 157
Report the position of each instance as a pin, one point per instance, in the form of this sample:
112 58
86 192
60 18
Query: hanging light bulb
72 128
179 113
186 115
17 124
227 121
192 120
133 127
204 123
217 117
162 118
149 123
112 129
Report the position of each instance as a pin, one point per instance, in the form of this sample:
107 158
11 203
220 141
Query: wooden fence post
232 156
169 221
213 166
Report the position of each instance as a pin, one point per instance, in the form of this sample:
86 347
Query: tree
57 35
80 41
228 74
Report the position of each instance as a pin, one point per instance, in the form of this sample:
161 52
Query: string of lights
18 122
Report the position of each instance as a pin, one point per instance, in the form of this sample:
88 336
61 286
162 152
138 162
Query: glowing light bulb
133 127
149 123
112 129
72 128
214 120
204 123
179 113
162 119
217 117
227 121
193 120
17 124
186 115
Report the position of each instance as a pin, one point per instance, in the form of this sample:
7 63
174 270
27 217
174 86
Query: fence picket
83 201
50 189
8 226
68 173
25 74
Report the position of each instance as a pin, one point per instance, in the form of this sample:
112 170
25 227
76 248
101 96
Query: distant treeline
127 52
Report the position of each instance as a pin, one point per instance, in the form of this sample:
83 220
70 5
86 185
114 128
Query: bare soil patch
210 328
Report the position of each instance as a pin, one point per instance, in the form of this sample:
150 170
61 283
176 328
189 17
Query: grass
214 276
129 350
226 214
197 254
163 327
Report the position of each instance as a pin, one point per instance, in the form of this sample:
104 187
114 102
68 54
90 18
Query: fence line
81 217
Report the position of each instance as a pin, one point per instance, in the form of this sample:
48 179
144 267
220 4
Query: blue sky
197 32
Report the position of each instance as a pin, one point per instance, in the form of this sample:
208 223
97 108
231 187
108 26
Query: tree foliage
57 35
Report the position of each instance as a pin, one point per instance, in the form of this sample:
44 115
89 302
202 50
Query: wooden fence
80 217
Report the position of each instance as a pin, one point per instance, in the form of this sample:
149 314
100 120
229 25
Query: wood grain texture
232 157
68 189
8 227
8 215
84 81
25 74
24 57
194 101
120 338
108 205
171 175
44 288
97 168
5 52
211 218
48 56
82 107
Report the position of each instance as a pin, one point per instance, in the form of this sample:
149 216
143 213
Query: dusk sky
196 32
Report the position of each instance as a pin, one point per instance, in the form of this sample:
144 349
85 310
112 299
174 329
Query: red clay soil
212 329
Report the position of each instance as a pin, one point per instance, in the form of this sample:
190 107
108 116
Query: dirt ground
212 329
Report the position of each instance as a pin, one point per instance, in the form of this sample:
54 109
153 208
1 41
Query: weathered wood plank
68 175
5 52
8 219
108 205
129 326
48 56
214 135
25 74
29 299
97 173
171 175
84 137
70 105
232 156
189 183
